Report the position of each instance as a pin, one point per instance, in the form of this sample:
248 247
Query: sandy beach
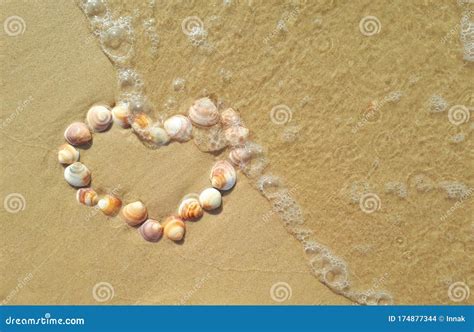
324 73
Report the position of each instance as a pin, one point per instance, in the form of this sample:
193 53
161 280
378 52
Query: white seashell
99 118
151 230
77 134
204 113
174 228
240 156
210 199
179 128
134 213
223 176
87 196
190 208
67 154
141 121
230 118
110 205
77 175
120 114
157 135
236 135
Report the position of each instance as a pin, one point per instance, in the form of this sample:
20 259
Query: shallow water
356 122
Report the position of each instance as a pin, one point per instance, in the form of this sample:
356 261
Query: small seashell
141 121
210 199
240 156
77 134
236 135
120 114
223 176
99 118
189 208
110 205
157 135
134 213
151 230
179 128
67 154
77 175
174 228
204 113
230 118
87 196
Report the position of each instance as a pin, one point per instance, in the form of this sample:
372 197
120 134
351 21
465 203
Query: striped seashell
230 118
151 230
67 154
77 134
134 213
204 113
236 135
87 196
210 199
174 228
240 156
179 128
77 175
99 118
190 208
110 205
223 175
121 114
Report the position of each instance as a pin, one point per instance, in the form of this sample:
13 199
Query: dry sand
325 70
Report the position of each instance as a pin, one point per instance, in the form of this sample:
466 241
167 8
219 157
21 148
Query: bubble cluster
437 104
397 188
467 35
209 139
454 189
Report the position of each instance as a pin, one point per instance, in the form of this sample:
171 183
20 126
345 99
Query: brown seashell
121 114
151 230
240 156
141 121
223 176
190 208
134 213
99 118
230 118
174 228
67 154
110 205
87 196
204 113
77 134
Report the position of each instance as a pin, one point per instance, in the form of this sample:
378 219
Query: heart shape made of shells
202 114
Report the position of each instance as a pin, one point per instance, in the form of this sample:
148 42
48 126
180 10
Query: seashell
134 213
151 230
230 118
141 121
77 175
236 135
99 118
210 199
87 196
204 113
120 114
174 228
190 208
240 156
77 134
157 135
179 128
67 154
223 176
110 205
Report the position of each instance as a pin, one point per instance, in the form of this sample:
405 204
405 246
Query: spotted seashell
179 128
134 213
223 176
157 135
77 175
230 118
236 135
204 113
189 208
151 230
121 114
110 205
77 134
67 154
210 199
174 228
240 156
99 118
87 196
